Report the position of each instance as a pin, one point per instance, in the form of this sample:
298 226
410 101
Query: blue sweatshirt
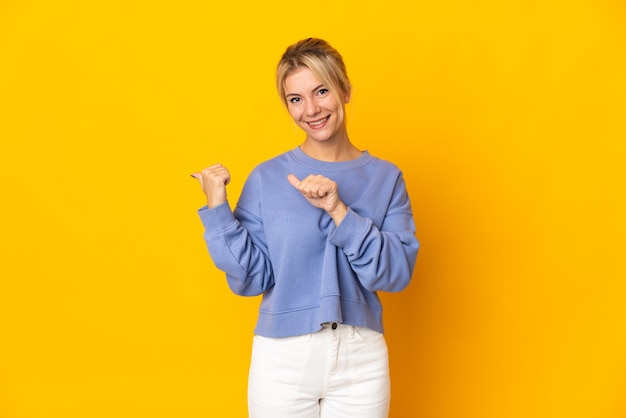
308 270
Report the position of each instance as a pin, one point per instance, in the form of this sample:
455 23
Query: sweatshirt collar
304 159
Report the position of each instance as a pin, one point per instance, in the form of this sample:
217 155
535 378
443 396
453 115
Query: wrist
338 213
215 196
211 203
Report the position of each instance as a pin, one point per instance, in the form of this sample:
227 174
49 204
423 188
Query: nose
312 108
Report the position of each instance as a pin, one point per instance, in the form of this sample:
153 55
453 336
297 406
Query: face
313 107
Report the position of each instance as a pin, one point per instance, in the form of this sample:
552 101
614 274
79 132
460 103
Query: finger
323 190
224 175
293 180
216 171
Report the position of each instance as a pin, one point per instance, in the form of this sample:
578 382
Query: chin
318 138
322 136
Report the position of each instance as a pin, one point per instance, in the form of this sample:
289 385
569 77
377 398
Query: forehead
301 80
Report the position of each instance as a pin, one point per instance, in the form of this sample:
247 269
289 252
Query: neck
330 152
334 149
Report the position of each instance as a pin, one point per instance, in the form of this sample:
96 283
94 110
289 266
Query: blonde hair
322 59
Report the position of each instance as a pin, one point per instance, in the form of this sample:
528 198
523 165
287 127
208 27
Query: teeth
319 122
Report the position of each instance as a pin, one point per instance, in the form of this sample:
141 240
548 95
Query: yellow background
507 118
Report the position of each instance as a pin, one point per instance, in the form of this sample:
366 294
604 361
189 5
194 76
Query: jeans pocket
367 334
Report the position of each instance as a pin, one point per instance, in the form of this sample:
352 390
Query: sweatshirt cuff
217 219
351 228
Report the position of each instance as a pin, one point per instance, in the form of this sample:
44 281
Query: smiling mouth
318 123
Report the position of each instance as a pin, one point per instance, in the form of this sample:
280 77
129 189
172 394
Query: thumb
197 176
293 180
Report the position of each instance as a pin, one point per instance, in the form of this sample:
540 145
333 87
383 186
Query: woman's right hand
213 181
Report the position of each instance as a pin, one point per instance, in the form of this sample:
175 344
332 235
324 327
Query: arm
240 251
382 258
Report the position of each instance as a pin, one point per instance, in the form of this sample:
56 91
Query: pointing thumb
197 176
293 180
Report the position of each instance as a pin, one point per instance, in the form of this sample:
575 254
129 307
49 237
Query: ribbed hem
309 320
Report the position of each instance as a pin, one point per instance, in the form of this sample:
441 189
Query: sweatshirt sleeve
382 258
239 251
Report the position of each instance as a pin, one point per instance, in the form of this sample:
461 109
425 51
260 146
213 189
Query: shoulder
276 163
265 174
384 166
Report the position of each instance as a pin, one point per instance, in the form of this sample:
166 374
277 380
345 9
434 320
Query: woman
317 231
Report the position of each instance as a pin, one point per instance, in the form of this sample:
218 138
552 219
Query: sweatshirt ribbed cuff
349 231
217 219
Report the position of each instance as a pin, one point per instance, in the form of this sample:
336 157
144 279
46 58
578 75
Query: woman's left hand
321 192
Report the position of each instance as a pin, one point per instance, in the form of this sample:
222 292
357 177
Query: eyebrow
312 91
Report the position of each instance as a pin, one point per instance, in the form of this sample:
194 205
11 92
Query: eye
322 92
294 100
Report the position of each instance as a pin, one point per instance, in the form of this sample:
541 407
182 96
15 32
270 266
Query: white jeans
333 373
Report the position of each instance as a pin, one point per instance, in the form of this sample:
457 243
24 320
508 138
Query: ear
348 96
